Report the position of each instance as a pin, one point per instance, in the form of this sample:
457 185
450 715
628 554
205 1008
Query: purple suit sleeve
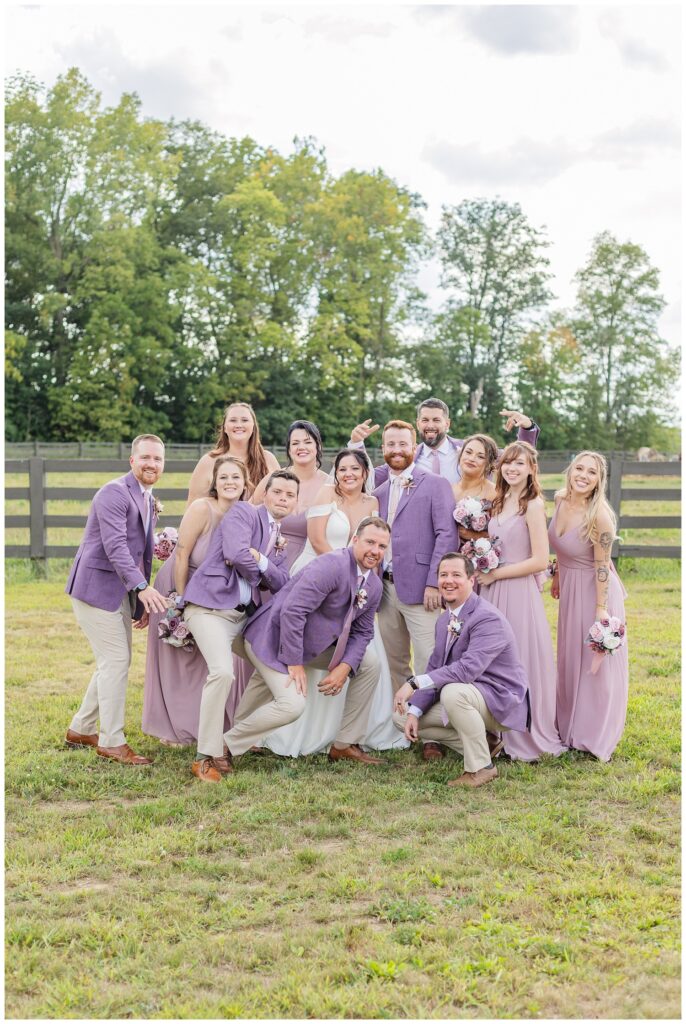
275 575
111 506
237 538
445 527
361 634
307 594
529 434
486 641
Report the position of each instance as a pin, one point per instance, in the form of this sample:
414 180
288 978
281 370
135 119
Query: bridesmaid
238 435
518 520
174 678
477 460
591 709
304 458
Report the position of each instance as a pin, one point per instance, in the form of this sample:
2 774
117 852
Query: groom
322 618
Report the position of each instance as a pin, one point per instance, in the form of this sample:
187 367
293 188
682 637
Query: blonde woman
591 708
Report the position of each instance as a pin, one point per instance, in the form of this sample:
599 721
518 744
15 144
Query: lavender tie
339 649
435 462
273 537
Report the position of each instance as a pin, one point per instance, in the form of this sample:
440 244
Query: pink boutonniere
407 482
455 627
157 506
280 543
361 598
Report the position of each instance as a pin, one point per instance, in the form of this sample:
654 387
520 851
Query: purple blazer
108 562
307 615
485 654
423 531
529 434
214 584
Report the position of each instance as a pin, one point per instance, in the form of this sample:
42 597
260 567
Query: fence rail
38 520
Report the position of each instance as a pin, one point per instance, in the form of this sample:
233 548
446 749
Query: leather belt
250 608
388 575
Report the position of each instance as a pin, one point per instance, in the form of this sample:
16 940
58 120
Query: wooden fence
38 493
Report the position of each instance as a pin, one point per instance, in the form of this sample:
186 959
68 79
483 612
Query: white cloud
341 30
525 161
523 29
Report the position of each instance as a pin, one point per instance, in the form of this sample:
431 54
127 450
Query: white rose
612 642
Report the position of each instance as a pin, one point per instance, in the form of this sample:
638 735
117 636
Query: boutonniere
361 598
455 627
157 506
407 482
280 543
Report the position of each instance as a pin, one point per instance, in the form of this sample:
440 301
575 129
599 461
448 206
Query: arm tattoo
602 574
605 540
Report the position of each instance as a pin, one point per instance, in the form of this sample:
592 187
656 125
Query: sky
571 111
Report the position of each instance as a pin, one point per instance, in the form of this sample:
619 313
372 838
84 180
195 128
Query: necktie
435 462
273 537
393 499
339 649
450 636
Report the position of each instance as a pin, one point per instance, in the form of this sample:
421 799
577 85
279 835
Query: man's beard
434 442
408 460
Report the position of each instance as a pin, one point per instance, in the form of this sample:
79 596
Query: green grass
304 889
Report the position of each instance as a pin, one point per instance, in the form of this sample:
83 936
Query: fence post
616 466
37 514
122 450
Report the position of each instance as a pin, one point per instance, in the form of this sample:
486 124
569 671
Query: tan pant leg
109 634
358 696
214 631
258 716
421 626
470 717
431 728
395 635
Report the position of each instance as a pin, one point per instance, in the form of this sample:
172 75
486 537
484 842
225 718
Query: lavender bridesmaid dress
174 678
521 603
294 532
591 709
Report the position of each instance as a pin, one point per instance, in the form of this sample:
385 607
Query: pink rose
182 631
596 632
483 563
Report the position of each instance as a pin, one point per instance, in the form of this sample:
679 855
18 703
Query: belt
388 575
250 608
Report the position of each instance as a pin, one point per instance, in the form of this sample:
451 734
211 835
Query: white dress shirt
424 680
447 454
244 588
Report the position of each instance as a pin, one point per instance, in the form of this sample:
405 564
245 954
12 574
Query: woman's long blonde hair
597 502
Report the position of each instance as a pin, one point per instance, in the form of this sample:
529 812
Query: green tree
546 382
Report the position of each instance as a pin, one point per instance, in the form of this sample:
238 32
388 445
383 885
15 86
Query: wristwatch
141 586
411 681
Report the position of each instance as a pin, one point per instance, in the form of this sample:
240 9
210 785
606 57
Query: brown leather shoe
205 771
224 765
495 743
123 755
474 779
77 739
432 752
353 753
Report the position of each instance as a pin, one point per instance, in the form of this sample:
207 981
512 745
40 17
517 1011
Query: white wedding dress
317 727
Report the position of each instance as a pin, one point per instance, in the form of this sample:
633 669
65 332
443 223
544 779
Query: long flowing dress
174 677
521 603
591 709
317 727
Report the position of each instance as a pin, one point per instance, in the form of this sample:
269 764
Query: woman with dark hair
174 677
331 522
476 460
238 434
518 521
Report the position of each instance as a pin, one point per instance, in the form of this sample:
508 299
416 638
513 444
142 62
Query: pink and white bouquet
470 513
485 553
172 630
605 637
165 542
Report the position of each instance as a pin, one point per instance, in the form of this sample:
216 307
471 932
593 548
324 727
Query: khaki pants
405 626
109 634
268 703
214 630
469 720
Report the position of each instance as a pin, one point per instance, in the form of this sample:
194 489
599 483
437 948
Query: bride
331 522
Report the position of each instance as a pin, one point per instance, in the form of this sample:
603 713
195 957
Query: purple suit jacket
485 654
307 615
529 434
108 562
423 531
214 584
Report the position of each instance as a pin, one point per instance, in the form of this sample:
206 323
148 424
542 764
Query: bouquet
172 630
165 542
485 553
604 637
470 513
546 574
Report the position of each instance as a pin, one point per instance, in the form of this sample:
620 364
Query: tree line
157 270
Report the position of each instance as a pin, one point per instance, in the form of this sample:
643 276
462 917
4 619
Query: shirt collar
455 613
407 472
144 490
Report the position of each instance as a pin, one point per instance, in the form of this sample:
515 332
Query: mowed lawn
304 889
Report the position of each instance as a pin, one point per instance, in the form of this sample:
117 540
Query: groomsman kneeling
244 556
322 618
474 685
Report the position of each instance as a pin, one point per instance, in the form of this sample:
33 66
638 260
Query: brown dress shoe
432 752
495 743
474 779
224 765
123 755
353 753
205 771
77 739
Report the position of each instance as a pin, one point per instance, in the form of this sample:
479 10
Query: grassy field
305 889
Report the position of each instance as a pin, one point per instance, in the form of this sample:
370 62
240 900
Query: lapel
137 495
467 609
263 521
352 577
418 477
